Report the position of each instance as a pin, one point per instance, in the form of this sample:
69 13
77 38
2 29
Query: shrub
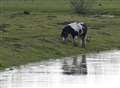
83 6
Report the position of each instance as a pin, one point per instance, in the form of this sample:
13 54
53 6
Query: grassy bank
35 37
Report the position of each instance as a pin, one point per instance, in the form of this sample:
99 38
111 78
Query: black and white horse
75 29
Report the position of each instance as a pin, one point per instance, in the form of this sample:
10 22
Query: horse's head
64 35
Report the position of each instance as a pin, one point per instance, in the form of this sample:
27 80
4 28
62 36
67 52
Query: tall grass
83 6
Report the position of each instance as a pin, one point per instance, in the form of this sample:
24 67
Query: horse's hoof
75 45
64 42
83 46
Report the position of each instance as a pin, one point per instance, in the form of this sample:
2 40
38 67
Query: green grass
56 6
36 37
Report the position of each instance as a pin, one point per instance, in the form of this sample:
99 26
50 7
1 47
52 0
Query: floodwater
98 70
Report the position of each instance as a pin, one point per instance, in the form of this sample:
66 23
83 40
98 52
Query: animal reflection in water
75 66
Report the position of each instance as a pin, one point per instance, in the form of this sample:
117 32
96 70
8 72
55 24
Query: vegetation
36 36
83 6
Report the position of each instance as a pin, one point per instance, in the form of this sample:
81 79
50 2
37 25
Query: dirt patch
64 23
1 65
18 47
10 39
20 14
105 33
3 27
103 16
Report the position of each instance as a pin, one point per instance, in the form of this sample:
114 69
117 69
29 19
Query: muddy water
96 70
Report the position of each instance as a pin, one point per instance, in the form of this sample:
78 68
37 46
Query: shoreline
27 63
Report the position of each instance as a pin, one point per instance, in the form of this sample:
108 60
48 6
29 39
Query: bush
83 6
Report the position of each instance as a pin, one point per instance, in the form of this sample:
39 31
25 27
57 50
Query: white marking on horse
77 27
63 39
74 26
76 37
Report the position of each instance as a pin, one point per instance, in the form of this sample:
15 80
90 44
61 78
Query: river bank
33 37
37 37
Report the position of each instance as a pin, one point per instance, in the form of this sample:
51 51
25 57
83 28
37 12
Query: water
96 70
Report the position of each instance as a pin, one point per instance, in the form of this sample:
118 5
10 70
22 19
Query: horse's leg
75 40
64 39
83 41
